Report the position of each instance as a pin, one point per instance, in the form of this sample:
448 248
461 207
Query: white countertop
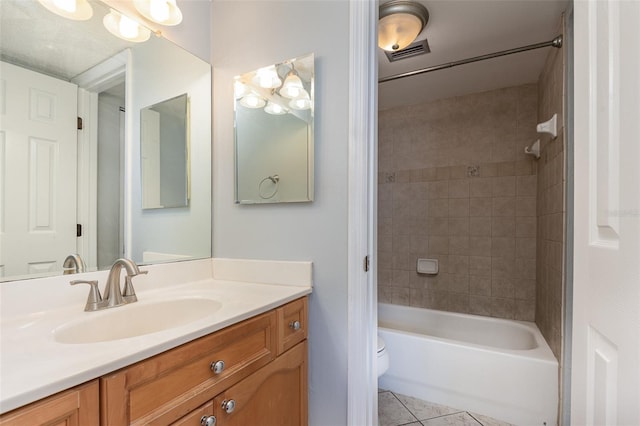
34 365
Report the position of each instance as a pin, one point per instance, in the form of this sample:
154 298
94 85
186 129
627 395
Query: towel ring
275 179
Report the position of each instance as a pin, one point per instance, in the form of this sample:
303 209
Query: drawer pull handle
294 325
217 366
208 420
229 405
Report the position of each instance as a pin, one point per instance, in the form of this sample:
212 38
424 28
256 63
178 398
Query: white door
38 142
605 366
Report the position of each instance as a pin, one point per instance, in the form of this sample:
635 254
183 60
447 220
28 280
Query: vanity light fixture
401 21
78 10
252 100
125 28
163 12
275 109
267 78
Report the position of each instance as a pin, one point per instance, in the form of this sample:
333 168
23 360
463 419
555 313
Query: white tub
499 368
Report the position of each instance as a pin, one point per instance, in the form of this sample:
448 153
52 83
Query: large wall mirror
66 191
274 133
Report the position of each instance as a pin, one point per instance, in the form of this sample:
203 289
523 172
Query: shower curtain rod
556 42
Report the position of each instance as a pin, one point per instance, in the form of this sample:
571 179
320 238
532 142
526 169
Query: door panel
605 365
38 145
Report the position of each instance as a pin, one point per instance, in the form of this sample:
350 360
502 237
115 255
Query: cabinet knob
208 420
294 325
229 405
217 366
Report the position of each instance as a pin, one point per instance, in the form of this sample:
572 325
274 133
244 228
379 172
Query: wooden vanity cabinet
78 406
265 373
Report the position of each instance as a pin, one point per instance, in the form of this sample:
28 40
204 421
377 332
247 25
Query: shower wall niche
456 185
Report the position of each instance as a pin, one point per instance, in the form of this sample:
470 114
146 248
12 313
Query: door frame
90 83
362 380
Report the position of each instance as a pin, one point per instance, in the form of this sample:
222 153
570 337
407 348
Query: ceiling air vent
414 49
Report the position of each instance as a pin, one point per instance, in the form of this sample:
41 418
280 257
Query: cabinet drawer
292 324
166 387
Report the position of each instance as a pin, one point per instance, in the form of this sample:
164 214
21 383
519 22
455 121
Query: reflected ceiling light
292 87
125 28
275 109
267 78
302 102
252 100
78 10
164 12
400 23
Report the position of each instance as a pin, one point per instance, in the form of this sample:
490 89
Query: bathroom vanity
246 366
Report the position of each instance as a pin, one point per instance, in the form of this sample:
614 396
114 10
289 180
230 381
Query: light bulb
69 6
267 78
252 101
159 10
301 103
128 27
274 109
239 89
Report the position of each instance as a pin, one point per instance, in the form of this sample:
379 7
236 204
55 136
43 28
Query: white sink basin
133 320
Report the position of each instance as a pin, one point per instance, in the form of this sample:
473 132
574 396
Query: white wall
247 35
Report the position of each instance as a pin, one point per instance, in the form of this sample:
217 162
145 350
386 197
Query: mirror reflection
67 191
274 133
164 153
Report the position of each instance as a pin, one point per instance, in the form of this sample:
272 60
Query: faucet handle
94 297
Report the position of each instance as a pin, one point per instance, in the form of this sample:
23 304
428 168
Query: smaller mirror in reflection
274 133
165 153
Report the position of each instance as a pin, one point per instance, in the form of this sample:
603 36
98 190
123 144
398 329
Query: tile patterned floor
395 409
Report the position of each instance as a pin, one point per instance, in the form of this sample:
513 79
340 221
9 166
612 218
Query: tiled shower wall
455 185
551 209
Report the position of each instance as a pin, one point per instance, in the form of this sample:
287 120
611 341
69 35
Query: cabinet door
75 407
275 395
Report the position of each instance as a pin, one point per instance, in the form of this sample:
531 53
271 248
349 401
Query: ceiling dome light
292 87
78 10
401 21
163 12
252 100
267 78
274 109
125 28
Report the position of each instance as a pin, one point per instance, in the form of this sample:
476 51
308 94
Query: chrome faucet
113 294
73 264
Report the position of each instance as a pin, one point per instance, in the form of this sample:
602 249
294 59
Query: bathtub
500 368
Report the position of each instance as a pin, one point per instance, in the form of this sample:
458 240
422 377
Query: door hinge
366 263
79 123
78 230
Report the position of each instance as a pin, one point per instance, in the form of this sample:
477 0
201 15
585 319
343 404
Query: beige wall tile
459 245
459 226
503 226
504 206
504 186
479 246
503 247
480 187
458 207
438 226
480 305
459 188
526 186
480 226
526 227
480 207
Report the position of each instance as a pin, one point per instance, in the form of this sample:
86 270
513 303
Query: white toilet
383 357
